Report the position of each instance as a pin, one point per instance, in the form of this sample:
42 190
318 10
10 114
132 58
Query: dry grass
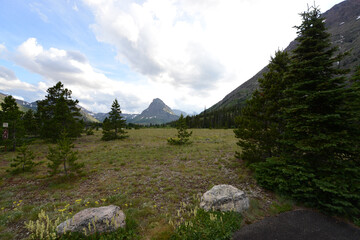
142 174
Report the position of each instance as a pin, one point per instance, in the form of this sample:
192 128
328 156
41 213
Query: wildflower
62 210
2 208
96 202
20 201
79 200
103 199
155 206
126 205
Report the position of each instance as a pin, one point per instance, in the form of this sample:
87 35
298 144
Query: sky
189 53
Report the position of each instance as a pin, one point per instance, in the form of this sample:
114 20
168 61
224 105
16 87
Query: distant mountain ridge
342 21
157 113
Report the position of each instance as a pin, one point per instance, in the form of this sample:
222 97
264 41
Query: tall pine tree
259 125
318 164
58 113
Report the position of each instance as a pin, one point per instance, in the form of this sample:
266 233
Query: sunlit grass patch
136 174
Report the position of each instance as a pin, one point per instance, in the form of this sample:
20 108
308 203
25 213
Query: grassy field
144 175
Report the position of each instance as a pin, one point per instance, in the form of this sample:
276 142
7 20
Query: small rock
91 220
225 198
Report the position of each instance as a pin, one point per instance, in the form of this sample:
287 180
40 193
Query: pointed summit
157 113
157 107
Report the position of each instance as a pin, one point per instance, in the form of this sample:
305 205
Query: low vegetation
148 178
183 136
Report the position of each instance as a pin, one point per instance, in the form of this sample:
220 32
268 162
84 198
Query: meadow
144 175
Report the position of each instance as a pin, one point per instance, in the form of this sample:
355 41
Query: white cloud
157 40
206 48
75 7
9 81
36 7
93 89
188 53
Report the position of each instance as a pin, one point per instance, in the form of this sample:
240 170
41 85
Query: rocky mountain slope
342 21
157 113
25 106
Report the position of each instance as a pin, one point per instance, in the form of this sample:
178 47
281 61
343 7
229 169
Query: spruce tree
23 161
259 125
182 135
30 123
318 164
113 127
12 115
58 113
63 155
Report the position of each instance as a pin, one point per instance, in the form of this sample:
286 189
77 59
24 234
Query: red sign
5 134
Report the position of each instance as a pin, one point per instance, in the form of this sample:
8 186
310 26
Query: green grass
142 174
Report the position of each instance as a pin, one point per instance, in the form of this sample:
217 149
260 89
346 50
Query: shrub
63 154
183 135
208 225
23 161
43 228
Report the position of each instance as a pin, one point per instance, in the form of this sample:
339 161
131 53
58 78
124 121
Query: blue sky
188 53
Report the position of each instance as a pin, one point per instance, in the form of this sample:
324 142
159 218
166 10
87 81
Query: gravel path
299 225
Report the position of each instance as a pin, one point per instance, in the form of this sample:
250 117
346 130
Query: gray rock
91 220
225 198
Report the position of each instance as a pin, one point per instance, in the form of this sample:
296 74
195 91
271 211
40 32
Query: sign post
5 134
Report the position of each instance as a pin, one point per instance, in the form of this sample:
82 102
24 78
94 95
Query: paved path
298 225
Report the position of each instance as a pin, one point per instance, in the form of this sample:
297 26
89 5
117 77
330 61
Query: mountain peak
157 113
157 106
157 101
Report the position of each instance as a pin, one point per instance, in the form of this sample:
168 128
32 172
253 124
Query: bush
63 155
183 135
23 161
43 227
208 225
335 190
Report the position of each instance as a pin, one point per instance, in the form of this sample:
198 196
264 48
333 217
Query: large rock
225 198
91 220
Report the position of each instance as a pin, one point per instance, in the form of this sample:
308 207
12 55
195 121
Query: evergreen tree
259 126
318 163
113 127
183 135
63 155
30 123
12 115
23 161
58 113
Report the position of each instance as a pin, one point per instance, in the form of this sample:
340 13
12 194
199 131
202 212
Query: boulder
225 198
91 220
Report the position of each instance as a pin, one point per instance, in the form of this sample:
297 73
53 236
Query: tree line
58 120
